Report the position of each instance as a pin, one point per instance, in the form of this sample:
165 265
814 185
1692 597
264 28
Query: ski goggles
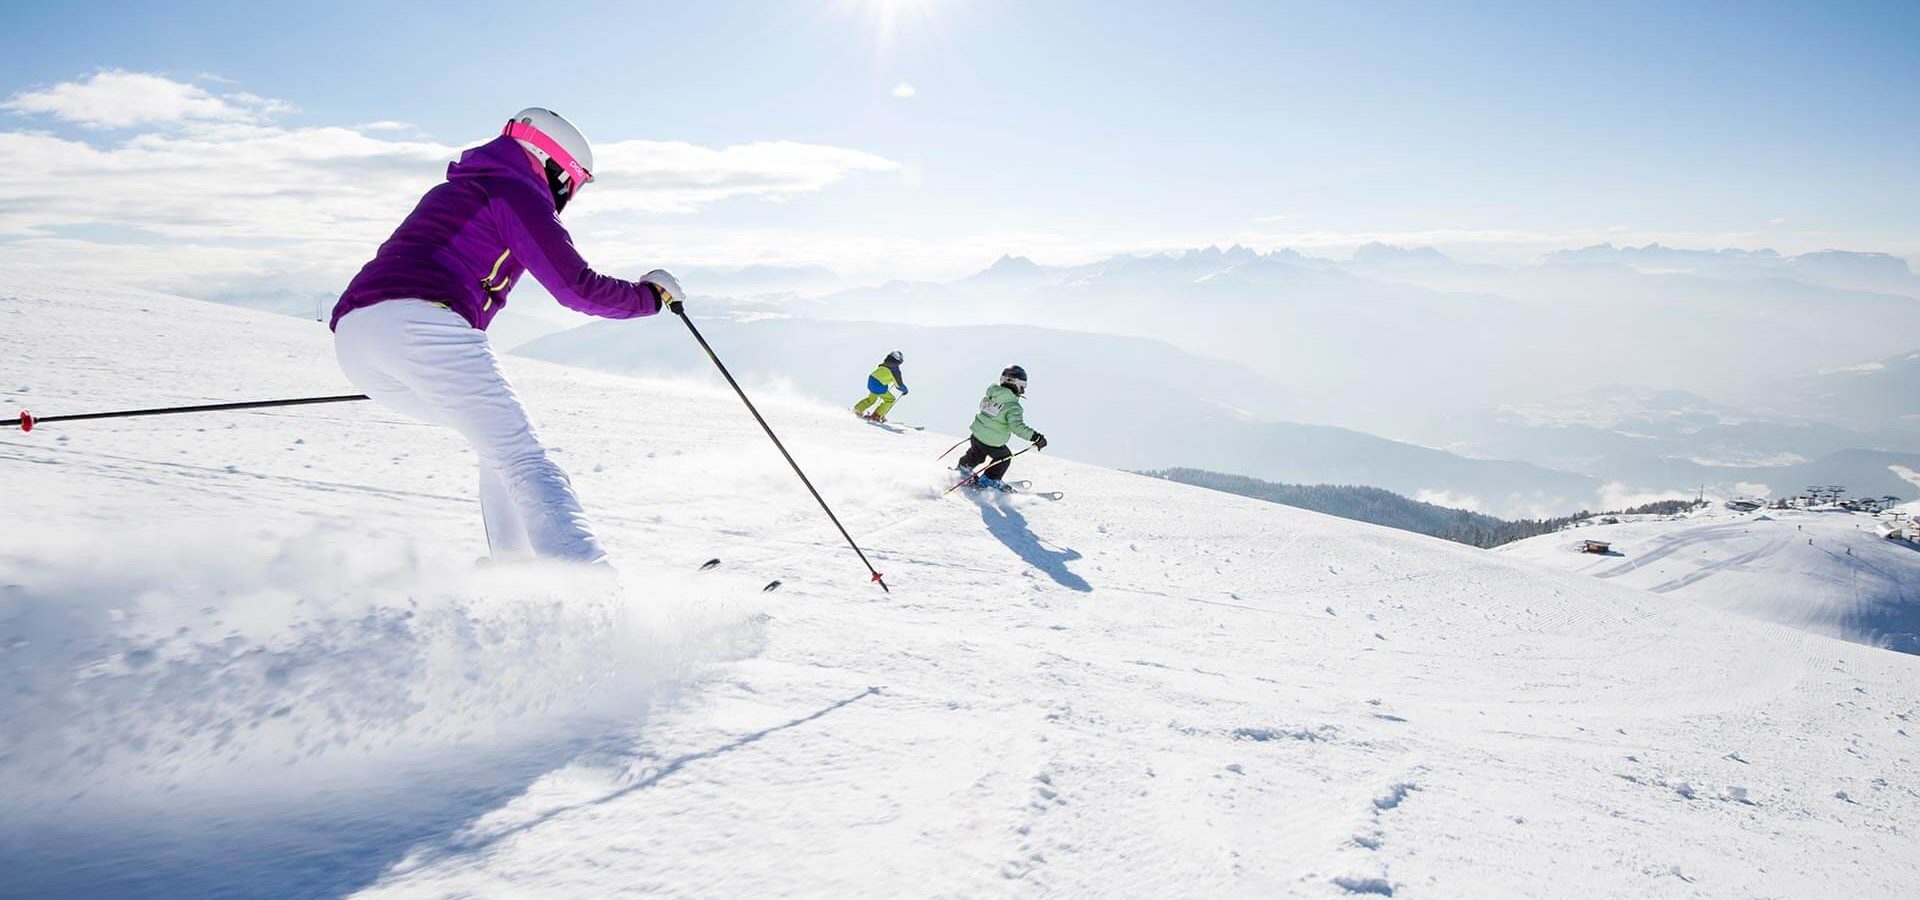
577 174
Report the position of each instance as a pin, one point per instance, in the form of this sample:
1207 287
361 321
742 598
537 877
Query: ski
1024 488
892 425
1050 495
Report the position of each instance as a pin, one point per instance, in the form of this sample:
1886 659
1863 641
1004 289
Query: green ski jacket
1000 417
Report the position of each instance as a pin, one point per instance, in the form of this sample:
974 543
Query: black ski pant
978 453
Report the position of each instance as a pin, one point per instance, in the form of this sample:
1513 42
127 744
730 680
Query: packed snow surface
249 655
1829 571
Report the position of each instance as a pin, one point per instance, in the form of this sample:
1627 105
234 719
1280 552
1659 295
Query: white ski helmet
559 146
896 357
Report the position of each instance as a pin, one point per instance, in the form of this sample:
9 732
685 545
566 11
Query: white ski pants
423 360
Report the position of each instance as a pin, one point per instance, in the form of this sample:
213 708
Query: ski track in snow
1147 689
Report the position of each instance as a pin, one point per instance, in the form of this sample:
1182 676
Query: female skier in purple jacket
410 330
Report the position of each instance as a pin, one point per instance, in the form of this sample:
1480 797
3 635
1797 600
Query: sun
889 19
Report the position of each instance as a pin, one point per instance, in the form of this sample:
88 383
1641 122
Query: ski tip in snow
714 563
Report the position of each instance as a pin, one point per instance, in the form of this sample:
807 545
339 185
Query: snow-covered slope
1828 572
246 655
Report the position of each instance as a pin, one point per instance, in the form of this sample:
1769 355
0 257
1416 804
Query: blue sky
1066 129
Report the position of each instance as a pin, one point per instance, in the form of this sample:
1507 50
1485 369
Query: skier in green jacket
880 385
1000 417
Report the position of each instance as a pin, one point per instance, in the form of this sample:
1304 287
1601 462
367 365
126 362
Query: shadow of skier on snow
1010 527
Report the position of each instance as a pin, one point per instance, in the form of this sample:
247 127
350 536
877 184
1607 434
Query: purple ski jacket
470 239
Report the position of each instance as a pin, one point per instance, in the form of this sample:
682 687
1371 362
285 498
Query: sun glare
890 21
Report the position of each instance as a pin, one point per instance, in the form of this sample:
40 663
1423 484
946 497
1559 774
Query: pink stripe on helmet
575 171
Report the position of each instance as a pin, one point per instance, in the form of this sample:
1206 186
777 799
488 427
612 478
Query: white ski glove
666 287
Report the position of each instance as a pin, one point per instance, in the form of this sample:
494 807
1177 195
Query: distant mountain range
1504 381
1385 340
1852 270
1119 401
1879 393
1640 436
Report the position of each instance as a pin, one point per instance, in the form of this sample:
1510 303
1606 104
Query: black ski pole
677 310
27 420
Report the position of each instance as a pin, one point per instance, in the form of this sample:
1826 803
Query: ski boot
991 484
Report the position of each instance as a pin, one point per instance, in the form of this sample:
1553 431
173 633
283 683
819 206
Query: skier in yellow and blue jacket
880 385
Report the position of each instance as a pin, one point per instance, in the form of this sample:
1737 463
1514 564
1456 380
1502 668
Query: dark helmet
1014 377
896 357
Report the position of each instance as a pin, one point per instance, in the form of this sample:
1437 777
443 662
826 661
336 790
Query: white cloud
1866 368
189 268
674 176
1448 499
260 106
214 195
113 98
904 90
1906 474
231 182
1617 495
